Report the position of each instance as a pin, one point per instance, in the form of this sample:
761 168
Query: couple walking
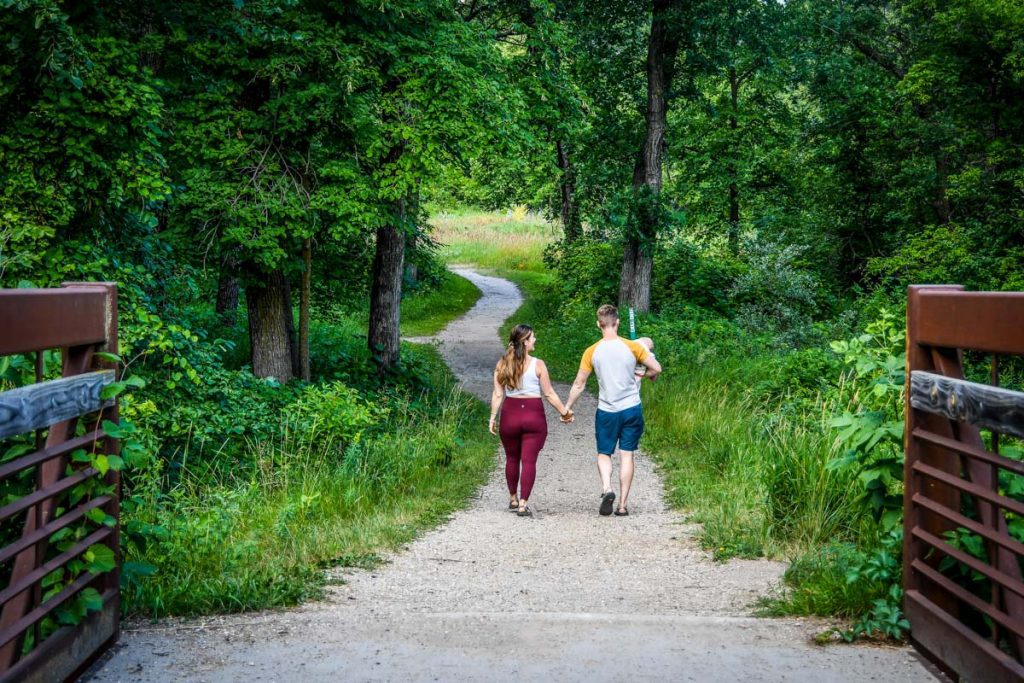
521 379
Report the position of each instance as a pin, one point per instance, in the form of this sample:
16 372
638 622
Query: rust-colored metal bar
947 316
87 441
38 573
919 357
51 528
60 657
970 451
957 646
1004 540
987 570
35 319
45 494
1014 625
982 492
77 318
986 477
45 608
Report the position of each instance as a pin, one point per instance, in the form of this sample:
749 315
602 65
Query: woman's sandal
513 505
622 512
525 512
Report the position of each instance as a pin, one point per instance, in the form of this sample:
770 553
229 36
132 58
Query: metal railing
964 597
49 517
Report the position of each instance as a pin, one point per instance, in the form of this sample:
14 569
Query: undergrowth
259 534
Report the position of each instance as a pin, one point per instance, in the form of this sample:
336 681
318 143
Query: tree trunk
307 262
635 283
734 193
412 272
227 291
227 298
289 323
386 293
567 189
270 316
638 261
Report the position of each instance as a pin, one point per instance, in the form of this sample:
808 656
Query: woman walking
519 382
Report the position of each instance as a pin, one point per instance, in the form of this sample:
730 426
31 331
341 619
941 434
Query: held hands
567 417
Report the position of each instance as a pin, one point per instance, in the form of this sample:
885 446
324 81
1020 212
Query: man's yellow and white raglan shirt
614 361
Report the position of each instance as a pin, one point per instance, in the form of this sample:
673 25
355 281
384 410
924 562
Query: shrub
588 269
334 414
774 293
682 274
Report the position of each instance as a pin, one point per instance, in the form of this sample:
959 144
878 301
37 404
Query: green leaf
109 357
16 451
891 519
99 558
91 599
53 578
79 455
102 464
112 390
112 429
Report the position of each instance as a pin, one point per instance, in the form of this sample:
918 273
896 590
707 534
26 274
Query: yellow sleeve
640 352
587 362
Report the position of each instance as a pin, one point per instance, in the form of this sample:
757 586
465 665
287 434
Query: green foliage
685 273
587 269
773 293
80 136
334 415
880 570
839 579
871 431
757 480
260 534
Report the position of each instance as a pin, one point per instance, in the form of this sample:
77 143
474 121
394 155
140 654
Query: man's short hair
607 315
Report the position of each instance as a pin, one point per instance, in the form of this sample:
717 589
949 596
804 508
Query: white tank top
529 384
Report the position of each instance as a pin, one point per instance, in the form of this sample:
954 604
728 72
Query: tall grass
756 480
514 240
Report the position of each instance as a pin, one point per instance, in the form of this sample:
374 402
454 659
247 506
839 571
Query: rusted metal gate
964 610
79 319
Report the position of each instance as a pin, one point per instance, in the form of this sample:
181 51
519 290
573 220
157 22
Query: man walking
619 419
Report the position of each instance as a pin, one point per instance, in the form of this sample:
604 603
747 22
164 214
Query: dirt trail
565 595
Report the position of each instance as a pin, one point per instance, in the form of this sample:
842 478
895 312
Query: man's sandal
622 512
607 500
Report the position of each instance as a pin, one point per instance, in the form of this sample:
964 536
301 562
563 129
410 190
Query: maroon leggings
523 431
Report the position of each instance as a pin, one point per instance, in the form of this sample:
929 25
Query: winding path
565 595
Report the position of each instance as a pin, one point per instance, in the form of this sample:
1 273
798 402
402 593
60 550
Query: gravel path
564 595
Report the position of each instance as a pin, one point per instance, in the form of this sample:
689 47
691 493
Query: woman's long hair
513 363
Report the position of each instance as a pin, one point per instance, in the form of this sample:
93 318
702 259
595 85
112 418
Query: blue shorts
623 428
